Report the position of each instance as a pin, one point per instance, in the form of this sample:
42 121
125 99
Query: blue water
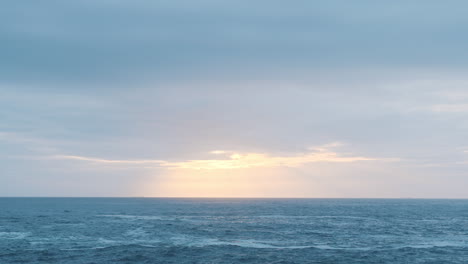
121 230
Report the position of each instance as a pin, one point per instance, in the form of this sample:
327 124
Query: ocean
183 230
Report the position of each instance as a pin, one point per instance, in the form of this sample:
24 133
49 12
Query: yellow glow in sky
229 173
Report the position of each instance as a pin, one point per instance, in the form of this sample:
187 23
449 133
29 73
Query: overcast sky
245 98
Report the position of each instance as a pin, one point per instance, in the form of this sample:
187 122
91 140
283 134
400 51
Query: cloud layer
93 91
233 161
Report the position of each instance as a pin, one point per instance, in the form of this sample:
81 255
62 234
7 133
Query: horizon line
220 197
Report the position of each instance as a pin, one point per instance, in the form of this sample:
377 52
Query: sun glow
232 160
231 173
254 182
254 160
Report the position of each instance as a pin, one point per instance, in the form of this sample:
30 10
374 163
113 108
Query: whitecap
317 217
184 240
434 244
265 245
138 232
140 217
13 235
106 241
239 243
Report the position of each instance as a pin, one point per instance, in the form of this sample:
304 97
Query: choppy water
119 230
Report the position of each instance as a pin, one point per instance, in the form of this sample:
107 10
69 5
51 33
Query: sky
244 98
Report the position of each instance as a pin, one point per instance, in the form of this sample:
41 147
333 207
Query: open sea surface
166 230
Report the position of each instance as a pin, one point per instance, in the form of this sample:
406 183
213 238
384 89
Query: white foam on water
326 247
184 240
435 244
317 217
107 241
282 216
137 217
13 235
240 243
143 217
141 242
148 246
264 244
138 232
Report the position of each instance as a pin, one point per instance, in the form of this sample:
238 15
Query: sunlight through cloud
238 160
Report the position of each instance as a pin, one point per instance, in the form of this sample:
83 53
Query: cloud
217 152
98 160
234 160
253 160
50 40
29 142
450 108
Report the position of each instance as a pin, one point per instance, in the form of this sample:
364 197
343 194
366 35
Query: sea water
163 230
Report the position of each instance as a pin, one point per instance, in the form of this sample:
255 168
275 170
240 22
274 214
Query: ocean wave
196 242
247 243
264 245
137 217
239 243
318 217
13 235
138 232
434 244
143 217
